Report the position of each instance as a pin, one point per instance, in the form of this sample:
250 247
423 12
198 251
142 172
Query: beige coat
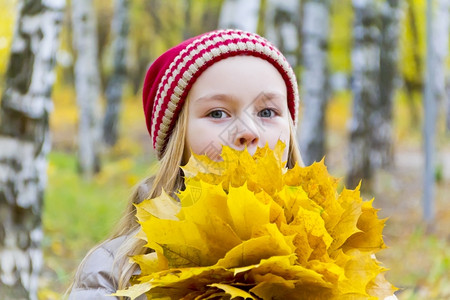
98 279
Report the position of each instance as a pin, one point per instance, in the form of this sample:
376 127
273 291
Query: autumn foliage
248 227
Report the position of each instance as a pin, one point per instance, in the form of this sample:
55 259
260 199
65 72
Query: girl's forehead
239 75
241 62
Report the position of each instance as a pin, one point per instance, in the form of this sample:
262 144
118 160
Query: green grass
73 206
419 266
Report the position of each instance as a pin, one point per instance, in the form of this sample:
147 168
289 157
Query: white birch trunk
441 27
315 87
447 88
114 90
382 148
240 14
25 143
87 84
429 128
366 68
282 27
448 103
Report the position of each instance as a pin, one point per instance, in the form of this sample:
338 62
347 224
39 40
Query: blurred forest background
361 67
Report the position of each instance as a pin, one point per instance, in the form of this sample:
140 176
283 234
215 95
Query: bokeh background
79 210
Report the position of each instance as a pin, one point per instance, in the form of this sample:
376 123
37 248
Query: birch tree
366 69
87 85
437 50
25 143
381 117
314 79
283 28
429 128
114 90
200 16
448 103
413 80
240 14
441 27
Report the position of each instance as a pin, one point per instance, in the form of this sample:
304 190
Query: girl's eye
217 114
266 113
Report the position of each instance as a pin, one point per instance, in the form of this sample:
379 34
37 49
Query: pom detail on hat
171 76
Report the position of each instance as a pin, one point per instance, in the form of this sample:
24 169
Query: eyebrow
271 95
220 97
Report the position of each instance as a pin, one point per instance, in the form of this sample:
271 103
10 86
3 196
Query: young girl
226 87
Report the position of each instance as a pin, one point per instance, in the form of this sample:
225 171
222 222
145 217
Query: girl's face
240 102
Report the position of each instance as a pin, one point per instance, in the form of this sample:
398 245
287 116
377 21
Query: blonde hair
169 178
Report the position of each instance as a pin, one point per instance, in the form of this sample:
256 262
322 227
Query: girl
226 87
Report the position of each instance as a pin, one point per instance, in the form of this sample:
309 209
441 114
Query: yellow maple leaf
246 211
150 263
267 242
162 207
248 227
232 291
134 291
370 238
347 225
380 288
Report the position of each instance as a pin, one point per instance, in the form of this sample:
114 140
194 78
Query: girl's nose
246 135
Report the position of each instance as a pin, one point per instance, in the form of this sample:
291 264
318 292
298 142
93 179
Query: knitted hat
171 76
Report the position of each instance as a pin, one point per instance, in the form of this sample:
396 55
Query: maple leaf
246 227
234 292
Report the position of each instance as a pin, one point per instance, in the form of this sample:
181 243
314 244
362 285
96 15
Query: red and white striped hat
171 76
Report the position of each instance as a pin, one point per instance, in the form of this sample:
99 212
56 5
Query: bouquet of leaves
247 227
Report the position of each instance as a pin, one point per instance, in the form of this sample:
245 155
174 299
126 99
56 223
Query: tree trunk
187 30
429 128
200 16
382 147
240 14
25 143
440 41
448 103
365 87
414 84
104 14
87 85
114 89
282 27
315 87
211 13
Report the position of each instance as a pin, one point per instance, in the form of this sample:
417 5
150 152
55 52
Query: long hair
169 178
